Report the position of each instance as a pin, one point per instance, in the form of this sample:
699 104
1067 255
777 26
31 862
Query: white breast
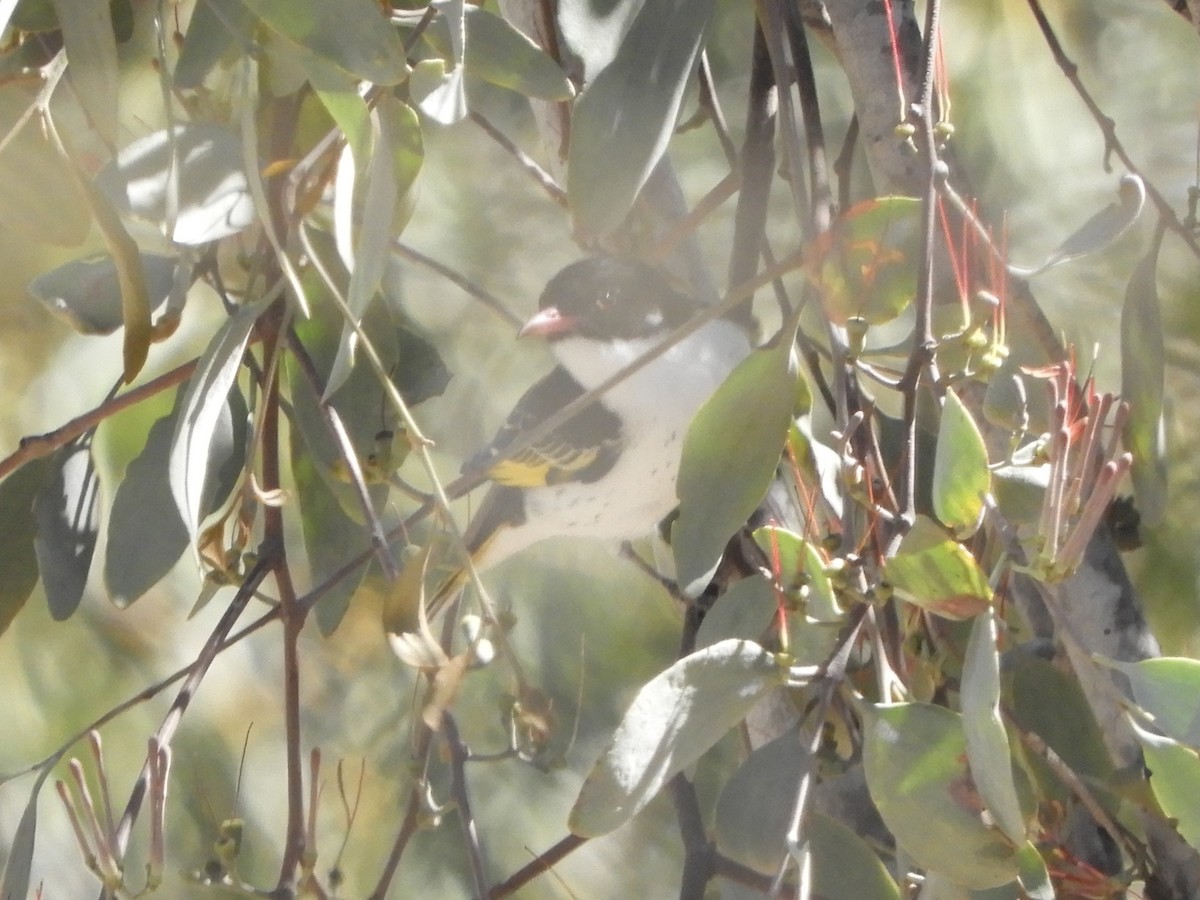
656 405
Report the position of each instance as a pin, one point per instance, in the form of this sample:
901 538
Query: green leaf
19 866
331 537
844 865
756 805
68 522
197 175
594 30
916 763
744 611
624 119
1051 704
674 719
802 570
961 479
1142 380
87 292
1101 230
865 265
146 535
502 55
933 571
18 559
441 94
352 34
200 415
87 30
1035 879
1175 778
1168 688
216 28
729 457
1020 491
988 752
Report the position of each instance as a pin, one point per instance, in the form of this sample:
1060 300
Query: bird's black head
601 297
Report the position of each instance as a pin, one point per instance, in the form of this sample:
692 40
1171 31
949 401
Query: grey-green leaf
916 763
87 30
594 30
211 199
18 560
961 479
68 520
352 34
756 805
215 29
729 457
674 719
624 119
988 751
196 428
744 611
1142 379
20 851
87 293
146 535
504 56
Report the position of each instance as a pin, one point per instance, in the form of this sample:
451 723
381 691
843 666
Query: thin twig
462 798
488 299
543 178
38 445
267 557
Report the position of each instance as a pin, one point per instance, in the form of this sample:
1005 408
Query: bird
608 472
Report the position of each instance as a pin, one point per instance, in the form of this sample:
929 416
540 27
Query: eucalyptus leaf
196 428
441 95
757 803
1035 878
802 570
87 292
961 480
594 29
91 45
624 119
988 751
1098 232
674 719
744 611
1168 688
372 247
864 267
216 28
68 521
197 175
1143 375
19 867
146 535
730 454
331 538
933 571
352 34
1051 703
18 559
1175 777
916 763
502 55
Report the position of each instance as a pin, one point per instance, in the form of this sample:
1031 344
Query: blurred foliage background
1035 159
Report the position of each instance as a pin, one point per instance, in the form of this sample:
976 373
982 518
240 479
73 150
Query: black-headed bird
609 472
